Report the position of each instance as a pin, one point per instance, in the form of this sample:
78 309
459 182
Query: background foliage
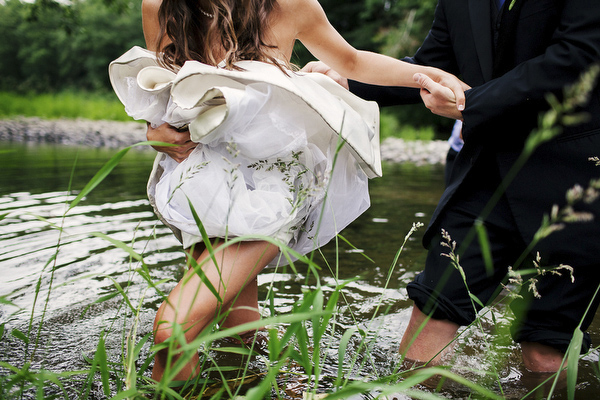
50 46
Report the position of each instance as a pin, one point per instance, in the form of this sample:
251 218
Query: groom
512 55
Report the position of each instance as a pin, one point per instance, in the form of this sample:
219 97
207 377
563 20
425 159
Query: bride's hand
165 133
442 93
322 68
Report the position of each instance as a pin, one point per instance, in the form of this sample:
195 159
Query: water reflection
84 268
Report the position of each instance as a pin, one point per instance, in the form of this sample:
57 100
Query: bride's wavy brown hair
203 30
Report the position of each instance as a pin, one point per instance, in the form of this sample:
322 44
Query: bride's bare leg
192 305
244 307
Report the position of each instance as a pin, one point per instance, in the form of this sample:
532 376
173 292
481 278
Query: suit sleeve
385 95
519 96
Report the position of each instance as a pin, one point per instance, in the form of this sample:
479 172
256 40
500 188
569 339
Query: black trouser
441 291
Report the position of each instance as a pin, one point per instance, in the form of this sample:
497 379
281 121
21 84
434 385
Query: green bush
48 46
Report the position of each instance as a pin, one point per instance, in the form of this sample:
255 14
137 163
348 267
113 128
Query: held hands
442 93
168 134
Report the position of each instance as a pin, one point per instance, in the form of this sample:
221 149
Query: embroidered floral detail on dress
186 175
291 170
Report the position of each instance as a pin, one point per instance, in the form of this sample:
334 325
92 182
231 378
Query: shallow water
68 318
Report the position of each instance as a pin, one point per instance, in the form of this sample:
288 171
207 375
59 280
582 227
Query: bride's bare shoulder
151 5
298 6
300 12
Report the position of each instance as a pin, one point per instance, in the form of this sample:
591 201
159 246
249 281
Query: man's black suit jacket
544 45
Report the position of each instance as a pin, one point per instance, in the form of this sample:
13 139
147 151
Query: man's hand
439 98
322 68
168 134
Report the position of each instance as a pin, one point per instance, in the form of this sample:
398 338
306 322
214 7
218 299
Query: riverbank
114 134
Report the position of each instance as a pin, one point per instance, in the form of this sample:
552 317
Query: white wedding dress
283 155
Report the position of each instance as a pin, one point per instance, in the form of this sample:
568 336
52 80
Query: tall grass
299 342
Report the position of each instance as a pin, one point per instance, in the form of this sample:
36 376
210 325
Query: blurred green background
54 56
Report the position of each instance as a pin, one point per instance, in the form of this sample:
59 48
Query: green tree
403 24
11 15
50 46
104 32
392 27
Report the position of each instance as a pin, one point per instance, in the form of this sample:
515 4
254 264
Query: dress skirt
279 154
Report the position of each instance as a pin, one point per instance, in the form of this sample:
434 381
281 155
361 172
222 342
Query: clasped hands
441 92
180 141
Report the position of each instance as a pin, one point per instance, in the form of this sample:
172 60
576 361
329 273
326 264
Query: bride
275 157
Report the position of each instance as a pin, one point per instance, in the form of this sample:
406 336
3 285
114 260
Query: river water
53 279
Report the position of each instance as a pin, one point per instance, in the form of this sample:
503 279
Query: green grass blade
210 250
242 351
102 362
573 362
486 251
131 393
342 352
4 300
99 177
198 270
107 169
354 247
120 245
476 300
20 335
122 292
318 325
417 377
98 301
261 391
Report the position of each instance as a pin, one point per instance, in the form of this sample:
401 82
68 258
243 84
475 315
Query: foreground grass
94 106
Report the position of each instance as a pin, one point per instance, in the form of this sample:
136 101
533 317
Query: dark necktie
500 3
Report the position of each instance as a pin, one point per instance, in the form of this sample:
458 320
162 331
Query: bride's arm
150 24
326 44
164 133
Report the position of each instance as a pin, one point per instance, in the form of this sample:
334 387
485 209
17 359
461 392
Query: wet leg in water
193 306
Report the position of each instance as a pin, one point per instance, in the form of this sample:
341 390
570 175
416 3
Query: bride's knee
163 331
163 328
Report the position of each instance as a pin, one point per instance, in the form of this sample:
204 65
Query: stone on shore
419 152
73 132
